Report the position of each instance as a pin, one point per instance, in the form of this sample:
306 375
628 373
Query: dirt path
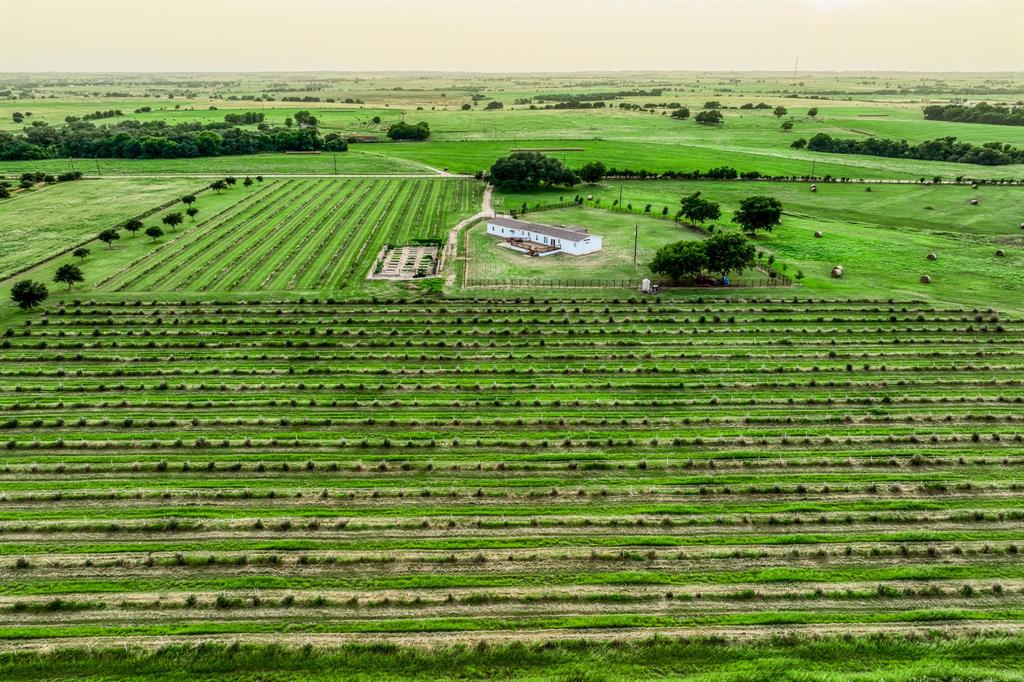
451 249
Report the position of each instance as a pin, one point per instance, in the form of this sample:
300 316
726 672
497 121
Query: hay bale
814 188
817 234
974 185
1000 253
1022 226
974 202
925 279
932 256
837 271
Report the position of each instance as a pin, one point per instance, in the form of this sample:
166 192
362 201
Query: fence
615 209
515 282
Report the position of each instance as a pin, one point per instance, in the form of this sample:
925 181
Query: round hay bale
925 279
974 202
817 234
1000 253
590 197
837 271
1022 226
932 256
974 185
814 188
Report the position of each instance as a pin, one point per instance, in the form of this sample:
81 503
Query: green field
881 237
38 224
228 454
489 261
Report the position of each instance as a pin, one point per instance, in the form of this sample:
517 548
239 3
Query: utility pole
72 162
636 234
97 165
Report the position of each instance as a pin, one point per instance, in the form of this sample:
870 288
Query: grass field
882 237
37 224
229 455
488 260
445 469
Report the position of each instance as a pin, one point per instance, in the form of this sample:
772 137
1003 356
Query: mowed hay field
40 223
302 235
441 471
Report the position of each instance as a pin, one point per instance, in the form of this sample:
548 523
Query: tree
592 172
681 113
812 112
69 274
230 180
17 117
405 131
259 178
81 252
729 252
218 186
679 260
133 225
247 182
4 192
28 293
375 119
697 209
154 231
192 211
780 111
799 144
466 106
172 220
711 117
494 104
522 171
758 213
713 104
188 199
787 125
108 237
288 122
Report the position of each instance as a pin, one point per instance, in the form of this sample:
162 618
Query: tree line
157 139
942 149
993 114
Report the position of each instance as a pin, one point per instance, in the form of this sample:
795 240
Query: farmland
318 468
230 453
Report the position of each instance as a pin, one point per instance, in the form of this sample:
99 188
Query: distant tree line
158 140
593 96
942 149
95 116
979 113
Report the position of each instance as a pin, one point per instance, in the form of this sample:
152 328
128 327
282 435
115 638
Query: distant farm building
543 240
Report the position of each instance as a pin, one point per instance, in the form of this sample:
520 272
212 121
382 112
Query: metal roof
570 234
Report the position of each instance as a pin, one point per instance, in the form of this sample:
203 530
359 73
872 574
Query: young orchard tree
133 225
697 209
81 252
259 178
188 199
192 211
28 293
218 186
172 220
108 237
154 232
69 274
758 213
247 182
729 253
230 180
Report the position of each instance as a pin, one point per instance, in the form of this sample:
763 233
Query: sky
511 35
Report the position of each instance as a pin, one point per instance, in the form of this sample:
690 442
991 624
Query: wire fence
572 283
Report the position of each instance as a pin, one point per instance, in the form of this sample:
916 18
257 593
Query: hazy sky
510 35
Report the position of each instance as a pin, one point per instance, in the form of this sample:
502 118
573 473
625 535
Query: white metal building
543 240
